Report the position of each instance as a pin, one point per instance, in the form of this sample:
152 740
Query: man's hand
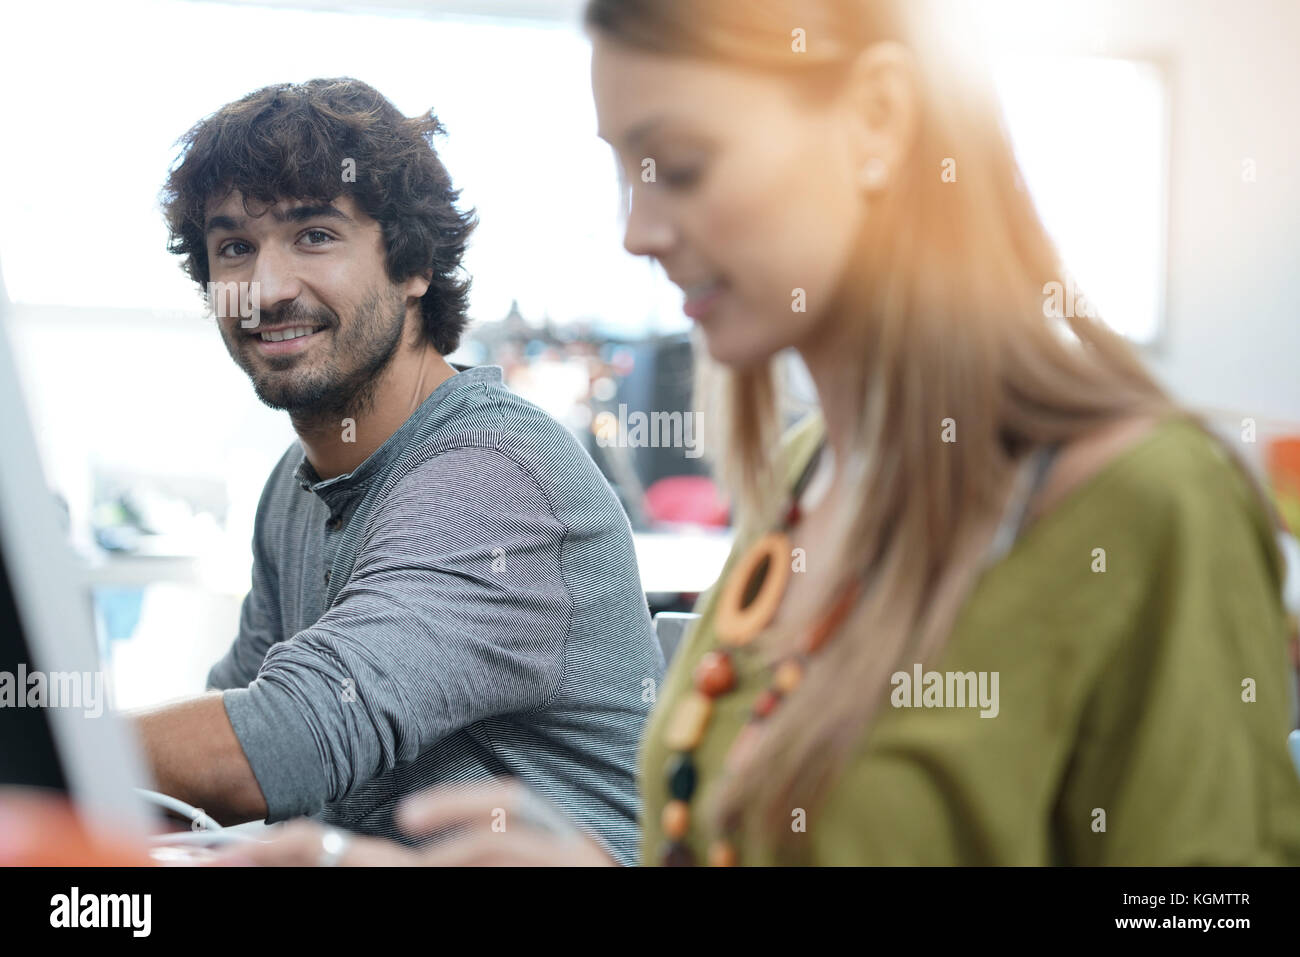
300 843
195 756
492 816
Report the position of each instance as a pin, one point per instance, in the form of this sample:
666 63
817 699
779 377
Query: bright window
1091 138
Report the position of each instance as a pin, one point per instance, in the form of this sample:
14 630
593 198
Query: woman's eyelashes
682 177
681 171
676 176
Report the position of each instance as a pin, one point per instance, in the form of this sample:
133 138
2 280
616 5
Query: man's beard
336 385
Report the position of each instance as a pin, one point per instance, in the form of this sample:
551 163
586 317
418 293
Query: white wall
1234 296
1232 323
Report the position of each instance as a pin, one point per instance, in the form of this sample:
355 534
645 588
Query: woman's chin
738 350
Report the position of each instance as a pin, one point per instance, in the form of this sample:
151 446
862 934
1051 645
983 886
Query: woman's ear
882 98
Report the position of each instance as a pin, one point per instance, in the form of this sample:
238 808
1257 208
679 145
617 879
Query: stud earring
874 174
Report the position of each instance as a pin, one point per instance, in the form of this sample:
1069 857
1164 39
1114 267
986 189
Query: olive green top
1121 691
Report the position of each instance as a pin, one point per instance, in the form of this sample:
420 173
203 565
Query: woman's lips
700 304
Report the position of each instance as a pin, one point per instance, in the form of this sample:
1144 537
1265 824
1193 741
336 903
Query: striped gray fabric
464 604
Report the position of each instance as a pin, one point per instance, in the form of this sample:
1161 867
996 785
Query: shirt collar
335 490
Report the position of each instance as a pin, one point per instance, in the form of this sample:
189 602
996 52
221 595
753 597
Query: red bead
722 854
715 675
766 703
677 855
792 515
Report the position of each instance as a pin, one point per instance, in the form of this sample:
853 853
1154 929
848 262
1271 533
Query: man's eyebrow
297 214
221 222
300 214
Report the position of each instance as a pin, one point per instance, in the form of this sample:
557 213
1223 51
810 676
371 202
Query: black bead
678 855
681 777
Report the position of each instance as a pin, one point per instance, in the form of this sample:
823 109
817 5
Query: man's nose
276 277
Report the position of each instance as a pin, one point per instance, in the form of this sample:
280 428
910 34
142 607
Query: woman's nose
648 231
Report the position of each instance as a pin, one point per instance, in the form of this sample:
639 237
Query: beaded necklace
746 605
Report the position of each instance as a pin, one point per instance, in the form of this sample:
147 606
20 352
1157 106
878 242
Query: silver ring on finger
334 844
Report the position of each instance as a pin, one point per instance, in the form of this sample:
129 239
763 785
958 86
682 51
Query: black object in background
27 752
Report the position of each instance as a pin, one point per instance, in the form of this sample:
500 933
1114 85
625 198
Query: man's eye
232 248
316 237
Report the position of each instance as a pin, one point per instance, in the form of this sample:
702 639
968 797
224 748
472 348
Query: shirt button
327 577
334 523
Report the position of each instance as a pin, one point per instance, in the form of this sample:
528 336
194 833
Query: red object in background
686 499
39 829
1284 462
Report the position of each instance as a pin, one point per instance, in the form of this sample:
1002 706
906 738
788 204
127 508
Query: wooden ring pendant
753 590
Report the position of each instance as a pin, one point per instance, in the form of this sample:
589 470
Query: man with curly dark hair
444 586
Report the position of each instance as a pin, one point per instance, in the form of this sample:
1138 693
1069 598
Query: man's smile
284 340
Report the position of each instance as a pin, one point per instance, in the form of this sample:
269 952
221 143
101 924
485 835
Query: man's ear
417 285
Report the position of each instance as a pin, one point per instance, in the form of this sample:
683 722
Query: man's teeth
284 334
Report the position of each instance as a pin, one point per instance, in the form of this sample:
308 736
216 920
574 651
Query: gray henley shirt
464 604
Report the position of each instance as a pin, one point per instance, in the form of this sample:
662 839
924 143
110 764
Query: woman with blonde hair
1001 601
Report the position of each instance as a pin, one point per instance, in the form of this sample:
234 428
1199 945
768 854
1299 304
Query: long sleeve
456 611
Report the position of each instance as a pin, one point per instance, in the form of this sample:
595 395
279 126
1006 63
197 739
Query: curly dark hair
289 141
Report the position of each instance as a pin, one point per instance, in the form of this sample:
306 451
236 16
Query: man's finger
458 804
301 845
486 849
